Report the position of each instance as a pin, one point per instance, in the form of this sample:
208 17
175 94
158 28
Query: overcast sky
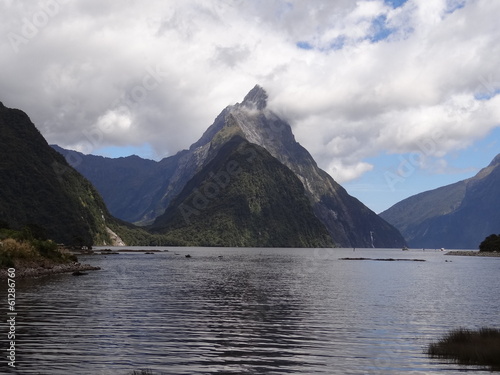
390 97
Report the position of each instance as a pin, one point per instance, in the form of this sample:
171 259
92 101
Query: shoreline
473 253
114 251
32 272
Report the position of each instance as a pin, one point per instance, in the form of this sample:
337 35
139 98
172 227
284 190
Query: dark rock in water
109 252
188 256
79 273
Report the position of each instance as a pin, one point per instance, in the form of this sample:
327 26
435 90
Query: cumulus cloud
354 79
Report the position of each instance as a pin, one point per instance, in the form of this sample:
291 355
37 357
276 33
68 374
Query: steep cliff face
349 222
39 189
456 216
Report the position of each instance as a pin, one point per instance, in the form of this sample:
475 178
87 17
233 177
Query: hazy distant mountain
141 191
132 187
39 189
456 216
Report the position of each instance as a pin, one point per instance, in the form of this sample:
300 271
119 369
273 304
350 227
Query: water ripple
254 311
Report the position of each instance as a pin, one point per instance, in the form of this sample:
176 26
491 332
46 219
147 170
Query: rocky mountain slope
456 216
348 221
39 190
243 197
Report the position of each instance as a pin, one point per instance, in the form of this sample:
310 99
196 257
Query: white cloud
159 72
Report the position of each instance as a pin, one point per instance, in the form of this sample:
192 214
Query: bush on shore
18 248
490 243
467 347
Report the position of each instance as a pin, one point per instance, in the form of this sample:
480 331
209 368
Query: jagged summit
255 100
348 221
257 97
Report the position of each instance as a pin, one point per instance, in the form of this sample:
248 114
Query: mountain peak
257 97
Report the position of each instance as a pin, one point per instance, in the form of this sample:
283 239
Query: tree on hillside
490 243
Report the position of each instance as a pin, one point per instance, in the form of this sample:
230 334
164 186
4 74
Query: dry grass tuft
481 347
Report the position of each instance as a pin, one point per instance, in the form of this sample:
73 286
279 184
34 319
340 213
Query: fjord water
253 311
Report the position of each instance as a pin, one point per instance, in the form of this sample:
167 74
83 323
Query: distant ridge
456 216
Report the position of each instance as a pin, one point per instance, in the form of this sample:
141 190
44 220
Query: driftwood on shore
34 271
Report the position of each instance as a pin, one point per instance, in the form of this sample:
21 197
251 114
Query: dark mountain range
347 220
40 190
456 216
132 187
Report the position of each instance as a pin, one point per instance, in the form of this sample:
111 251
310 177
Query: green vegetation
490 244
468 347
18 248
42 194
243 198
39 188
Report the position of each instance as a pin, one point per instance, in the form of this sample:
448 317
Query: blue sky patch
453 5
398 176
338 43
487 95
395 3
304 45
145 151
380 31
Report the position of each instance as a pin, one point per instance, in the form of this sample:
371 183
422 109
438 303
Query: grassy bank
467 347
31 256
20 253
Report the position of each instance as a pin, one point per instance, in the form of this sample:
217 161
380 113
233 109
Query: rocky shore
37 270
474 253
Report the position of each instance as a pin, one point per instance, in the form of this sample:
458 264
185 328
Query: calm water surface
252 311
